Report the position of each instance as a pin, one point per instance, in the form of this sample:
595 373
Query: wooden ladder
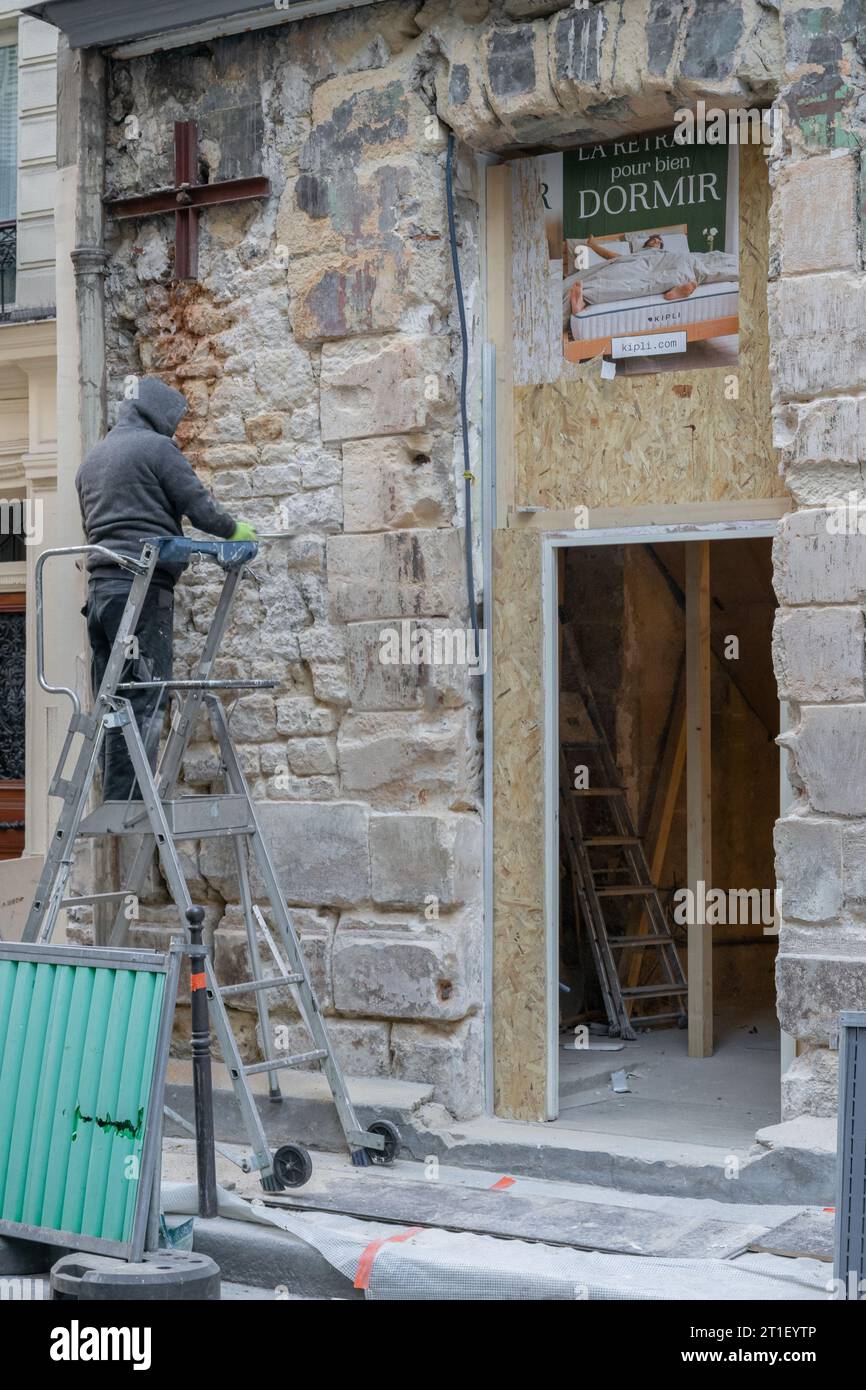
592 895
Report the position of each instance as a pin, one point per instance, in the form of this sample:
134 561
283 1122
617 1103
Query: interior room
627 819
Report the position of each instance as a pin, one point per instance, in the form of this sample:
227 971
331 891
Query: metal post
849 1256
201 1070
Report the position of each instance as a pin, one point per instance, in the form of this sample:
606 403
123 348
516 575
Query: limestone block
451 1058
822 432
254 718
358 117
810 1086
416 857
361 1045
518 80
818 654
201 764
319 466
462 99
283 785
411 574
854 863
819 972
404 967
576 46
277 480
829 750
300 715
809 867
322 642
818 193
330 683
403 759
284 375
370 290
378 681
321 853
391 385
319 510
307 756
399 483
817 333
817 558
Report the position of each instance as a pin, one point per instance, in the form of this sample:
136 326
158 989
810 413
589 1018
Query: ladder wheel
292 1166
391 1134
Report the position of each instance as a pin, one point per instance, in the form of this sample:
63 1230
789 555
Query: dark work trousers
106 601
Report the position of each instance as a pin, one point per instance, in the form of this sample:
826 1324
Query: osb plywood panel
536 290
519 995
670 437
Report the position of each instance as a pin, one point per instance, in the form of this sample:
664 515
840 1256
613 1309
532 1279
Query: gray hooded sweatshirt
137 483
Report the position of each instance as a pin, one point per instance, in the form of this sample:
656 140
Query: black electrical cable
464 416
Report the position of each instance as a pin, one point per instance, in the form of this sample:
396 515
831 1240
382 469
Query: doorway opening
670 782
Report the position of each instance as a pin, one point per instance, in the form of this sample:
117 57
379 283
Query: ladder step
251 986
627 890
189 817
620 943
297 1061
652 991
595 791
594 841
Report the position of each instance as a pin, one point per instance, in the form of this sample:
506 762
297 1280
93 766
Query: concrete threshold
793 1162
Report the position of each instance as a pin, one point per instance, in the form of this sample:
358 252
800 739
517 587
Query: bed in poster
646 231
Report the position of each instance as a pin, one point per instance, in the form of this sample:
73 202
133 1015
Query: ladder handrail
135 566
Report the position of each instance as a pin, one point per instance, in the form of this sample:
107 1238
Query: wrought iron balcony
8 254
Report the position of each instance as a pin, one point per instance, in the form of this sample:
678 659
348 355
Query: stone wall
817 302
319 352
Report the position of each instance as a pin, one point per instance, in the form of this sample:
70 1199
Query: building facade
320 349
28 432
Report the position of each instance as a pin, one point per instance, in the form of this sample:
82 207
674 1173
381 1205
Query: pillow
672 241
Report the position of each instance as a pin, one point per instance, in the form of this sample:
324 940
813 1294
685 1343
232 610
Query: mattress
654 313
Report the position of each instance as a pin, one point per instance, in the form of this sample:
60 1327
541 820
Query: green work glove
243 532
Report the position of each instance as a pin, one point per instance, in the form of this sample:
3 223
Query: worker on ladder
133 485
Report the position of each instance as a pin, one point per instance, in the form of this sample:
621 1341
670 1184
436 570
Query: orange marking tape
503 1184
197 981
365 1264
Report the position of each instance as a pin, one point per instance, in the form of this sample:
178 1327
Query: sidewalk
476 1237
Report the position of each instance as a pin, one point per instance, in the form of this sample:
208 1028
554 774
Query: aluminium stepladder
620 838
158 821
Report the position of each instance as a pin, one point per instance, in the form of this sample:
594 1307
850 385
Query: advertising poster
646 230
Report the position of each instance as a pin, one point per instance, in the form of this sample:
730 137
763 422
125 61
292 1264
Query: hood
156 406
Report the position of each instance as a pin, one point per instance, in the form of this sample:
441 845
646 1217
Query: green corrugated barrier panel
84 1036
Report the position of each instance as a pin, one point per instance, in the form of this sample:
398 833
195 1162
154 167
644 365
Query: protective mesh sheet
451 1265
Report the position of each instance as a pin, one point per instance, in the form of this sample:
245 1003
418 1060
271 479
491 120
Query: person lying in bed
651 270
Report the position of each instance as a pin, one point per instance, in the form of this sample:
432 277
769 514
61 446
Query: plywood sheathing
519 974
671 437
